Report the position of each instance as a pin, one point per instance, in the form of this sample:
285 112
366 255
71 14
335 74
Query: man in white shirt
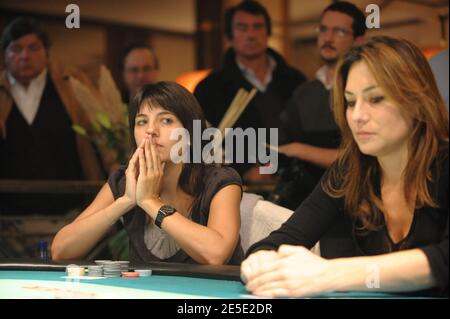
27 95
37 111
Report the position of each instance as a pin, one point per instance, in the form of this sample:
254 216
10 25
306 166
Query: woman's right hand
131 175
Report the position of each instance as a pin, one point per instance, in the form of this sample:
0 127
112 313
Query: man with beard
313 136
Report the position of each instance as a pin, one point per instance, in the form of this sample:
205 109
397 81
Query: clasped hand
144 174
292 271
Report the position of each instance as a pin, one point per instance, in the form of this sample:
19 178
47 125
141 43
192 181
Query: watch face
163 212
168 210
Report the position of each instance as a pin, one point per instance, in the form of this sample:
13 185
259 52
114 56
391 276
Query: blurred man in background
312 134
37 110
139 66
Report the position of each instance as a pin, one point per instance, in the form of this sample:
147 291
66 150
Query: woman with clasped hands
172 211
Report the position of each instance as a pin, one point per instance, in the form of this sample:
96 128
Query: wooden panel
209 33
50 187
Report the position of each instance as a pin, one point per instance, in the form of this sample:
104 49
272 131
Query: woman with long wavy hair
381 211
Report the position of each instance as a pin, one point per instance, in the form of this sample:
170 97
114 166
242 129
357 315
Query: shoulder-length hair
405 76
179 101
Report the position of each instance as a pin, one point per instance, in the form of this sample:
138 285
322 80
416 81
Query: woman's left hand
151 171
300 273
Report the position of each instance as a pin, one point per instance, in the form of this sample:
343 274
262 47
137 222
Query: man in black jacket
249 63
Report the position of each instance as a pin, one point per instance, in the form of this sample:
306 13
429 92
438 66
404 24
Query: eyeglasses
340 32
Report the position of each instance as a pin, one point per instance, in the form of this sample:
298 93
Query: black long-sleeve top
321 217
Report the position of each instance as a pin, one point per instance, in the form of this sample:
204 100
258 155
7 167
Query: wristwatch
163 212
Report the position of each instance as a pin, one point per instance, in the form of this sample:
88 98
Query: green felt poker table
41 280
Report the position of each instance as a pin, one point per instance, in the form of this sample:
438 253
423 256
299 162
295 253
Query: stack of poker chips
124 265
113 268
74 271
102 262
95 271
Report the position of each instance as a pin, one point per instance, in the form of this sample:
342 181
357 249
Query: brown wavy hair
404 74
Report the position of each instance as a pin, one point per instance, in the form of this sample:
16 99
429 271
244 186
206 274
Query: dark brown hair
404 74
248 6
20 27
359 19
179 101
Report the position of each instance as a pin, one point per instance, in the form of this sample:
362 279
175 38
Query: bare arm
212 244
78 238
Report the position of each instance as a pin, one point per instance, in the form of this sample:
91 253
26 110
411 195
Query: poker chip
113 268
75 270
124 265
110 268
130 274
144 272
95 271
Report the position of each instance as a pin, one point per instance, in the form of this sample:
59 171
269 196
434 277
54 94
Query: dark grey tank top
135 222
